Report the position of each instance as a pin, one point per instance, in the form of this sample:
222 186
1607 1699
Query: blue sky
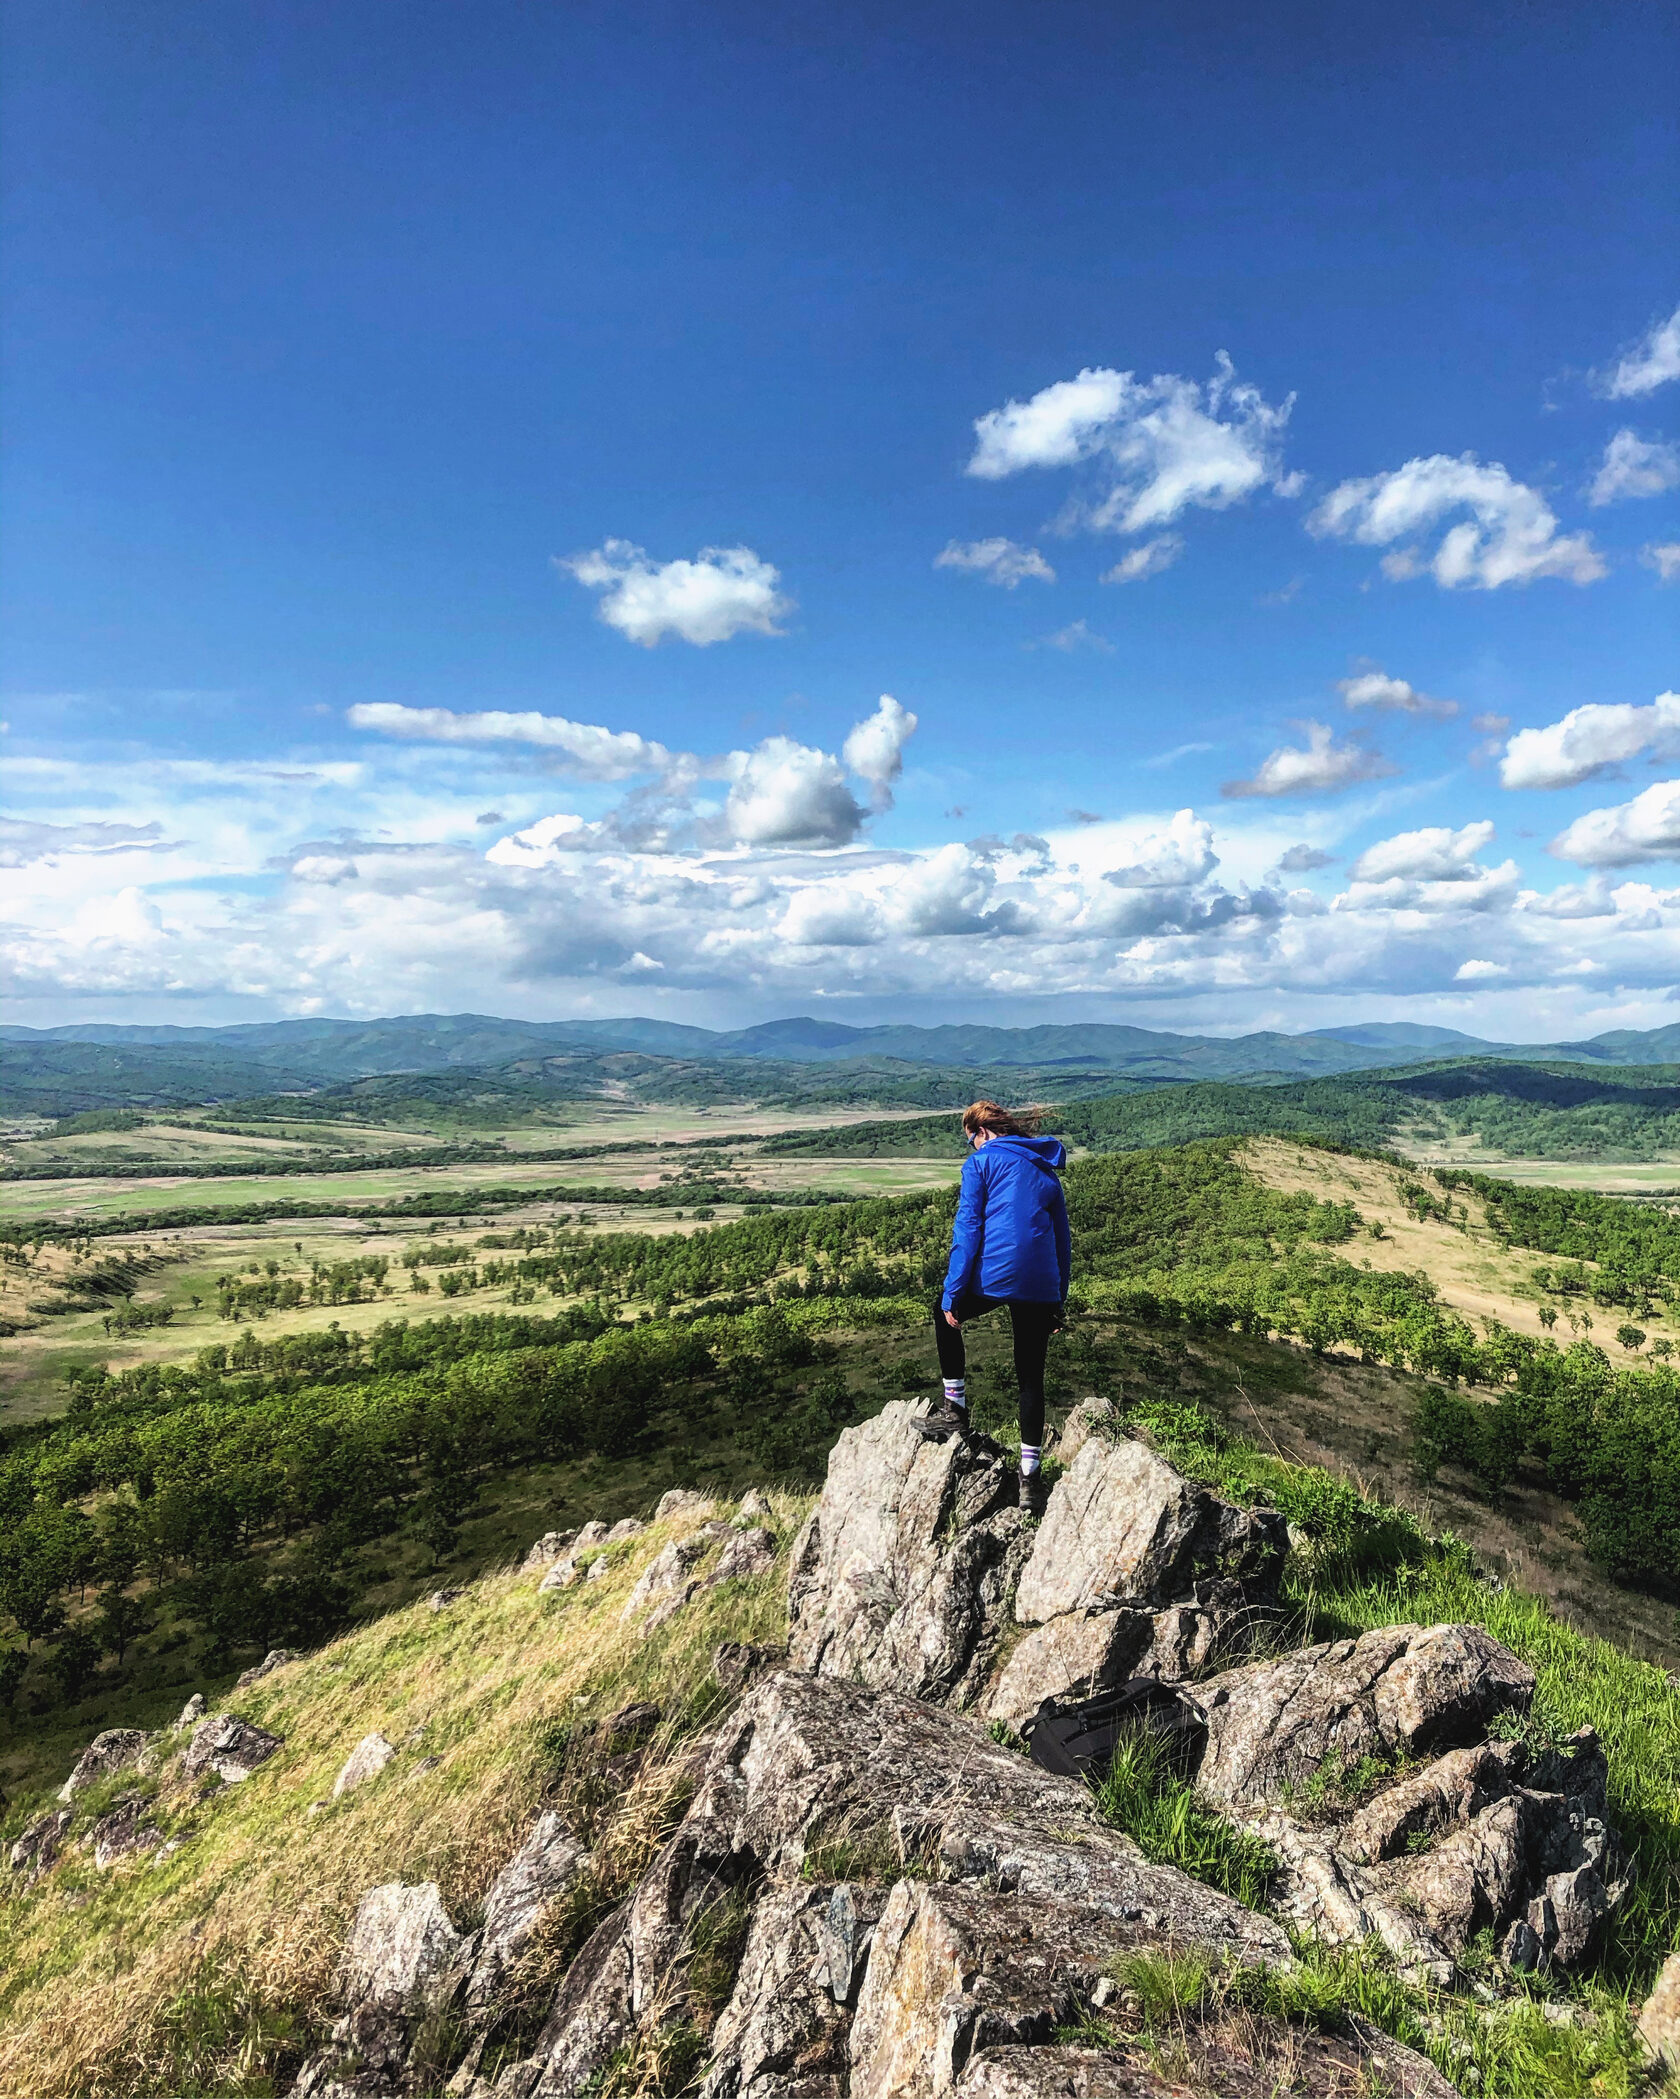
470 472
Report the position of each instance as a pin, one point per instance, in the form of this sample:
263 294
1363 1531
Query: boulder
369 1757
626 1528
1123 1526
592 2016
124 1832
230 1747
402 1954
117 1749
276 1658
551 1546
665 1575
788 2017
748 1554
753 1507
901 1577
1397 1692
542 1869
193 1711
1083 1652
1090 1417
681 1501
569 1566
40 1842
1659 2021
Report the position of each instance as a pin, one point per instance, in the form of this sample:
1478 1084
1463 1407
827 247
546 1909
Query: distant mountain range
287 1054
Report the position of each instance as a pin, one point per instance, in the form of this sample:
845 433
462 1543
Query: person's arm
968 1231
1064 1242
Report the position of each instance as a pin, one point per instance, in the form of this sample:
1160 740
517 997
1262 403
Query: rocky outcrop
402 1960
118 1749
193 1711
540 1871
902 1576
550 1547
570 1563
682 1501
276 1658
369 1757
230 1747
123 1832
1659 2020
38 1845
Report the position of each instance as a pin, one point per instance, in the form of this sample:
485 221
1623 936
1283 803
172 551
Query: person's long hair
1002 1122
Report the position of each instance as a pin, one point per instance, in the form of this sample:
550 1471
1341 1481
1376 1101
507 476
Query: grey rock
39 1844
1659 2021
1062 2073
1123 1526
570 1565
1091 1417
193 1711
276 1658
369 1757
402 1954
592 2015
1083 1652
748 1554
124 1833
230 1747
682 1501
753 1507
551 1546
1399 1691
789 2012
737 1663
117 1749
901 1577
625 1528
441 1599
541 1870
664 1576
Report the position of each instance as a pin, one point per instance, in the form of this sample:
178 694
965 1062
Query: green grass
1141 1794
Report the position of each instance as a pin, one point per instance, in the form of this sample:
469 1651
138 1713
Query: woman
1009 1246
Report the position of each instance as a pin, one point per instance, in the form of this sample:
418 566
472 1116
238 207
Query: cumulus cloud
1651 362
1162 445
1323 767
1477 971
999 561
1647 828
874 751
328 868
1304 860
1664 557
1181 854
1375 688
1511 535
1590 740
23 843
723 592
787 793
591 753
1634 467
1145 561
1436 854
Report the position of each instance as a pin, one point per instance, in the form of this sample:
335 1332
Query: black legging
1031 1324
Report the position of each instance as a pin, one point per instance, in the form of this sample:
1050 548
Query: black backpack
1077 1740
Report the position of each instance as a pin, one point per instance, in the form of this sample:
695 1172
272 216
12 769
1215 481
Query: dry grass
191 1976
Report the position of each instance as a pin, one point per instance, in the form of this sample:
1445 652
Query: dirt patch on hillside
1474 1271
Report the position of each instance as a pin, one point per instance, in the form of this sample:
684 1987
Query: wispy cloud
999 561
1511 535
1324 766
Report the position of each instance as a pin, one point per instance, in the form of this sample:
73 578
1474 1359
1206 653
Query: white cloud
1436 854
1163 445
874 751
1588 741
1078 636
580 747
1652 362
831 914
786 793
23 843
1000 561
329 868
1181 854
1374 688
1476 971
1511 537
1145 561
724 592
1633 467
1664 557
1324 767
1647 828
1304 860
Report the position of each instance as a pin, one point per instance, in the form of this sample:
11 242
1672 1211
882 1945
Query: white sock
1029 1459
956 1391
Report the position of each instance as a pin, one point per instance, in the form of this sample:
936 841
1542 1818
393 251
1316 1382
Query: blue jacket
1011 1233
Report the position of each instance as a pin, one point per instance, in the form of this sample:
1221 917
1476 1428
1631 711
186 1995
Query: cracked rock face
37 1848
541 1870
901 1577
124 1833
118 1749
229 1746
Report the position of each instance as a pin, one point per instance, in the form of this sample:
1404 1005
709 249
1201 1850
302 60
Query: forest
241 1493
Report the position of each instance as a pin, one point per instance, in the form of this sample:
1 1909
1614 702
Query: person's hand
951 1318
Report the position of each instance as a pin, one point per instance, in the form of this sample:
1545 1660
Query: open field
1474 1271
1656 1180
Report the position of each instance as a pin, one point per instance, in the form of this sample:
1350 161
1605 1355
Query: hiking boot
942 1424
1034 1496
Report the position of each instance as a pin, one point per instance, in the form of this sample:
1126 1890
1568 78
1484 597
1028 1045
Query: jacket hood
1048 1151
